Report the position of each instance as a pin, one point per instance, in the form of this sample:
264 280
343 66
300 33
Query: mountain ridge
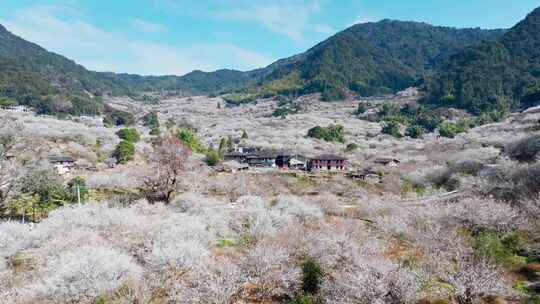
366 59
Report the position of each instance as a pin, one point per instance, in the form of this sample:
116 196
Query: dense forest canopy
494 74
378 58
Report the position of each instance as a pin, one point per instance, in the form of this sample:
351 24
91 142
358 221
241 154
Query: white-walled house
63 164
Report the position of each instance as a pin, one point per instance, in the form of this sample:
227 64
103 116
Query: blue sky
177 36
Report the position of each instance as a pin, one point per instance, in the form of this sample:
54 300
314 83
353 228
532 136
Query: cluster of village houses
243 158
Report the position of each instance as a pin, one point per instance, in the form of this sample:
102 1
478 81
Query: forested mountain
54 84
366 59
497 74
375 58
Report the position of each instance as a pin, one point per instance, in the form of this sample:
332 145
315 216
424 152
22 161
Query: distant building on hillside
241 153
15 108
232 167
366 175
62 163
291 161
246 149
262 159
327 163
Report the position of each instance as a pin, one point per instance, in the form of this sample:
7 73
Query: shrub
217 282
496 249
443 178
428 121
124 152
189 138
129 134
311 276
85 274
303 299
361 108
270 270
351 147
283 111
450 130
471 167
151 120
525 150
77 186
392 127
155 131
415 131
332 133
212 158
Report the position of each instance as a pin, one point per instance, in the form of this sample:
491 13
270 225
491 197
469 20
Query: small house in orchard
387 161
262 159
246 149
62 163
366 175
293 161
241 153
327 163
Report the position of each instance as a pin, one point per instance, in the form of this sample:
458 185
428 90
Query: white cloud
290 18
147 26
65 32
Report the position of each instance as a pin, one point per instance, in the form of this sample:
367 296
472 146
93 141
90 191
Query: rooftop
61 159
329 157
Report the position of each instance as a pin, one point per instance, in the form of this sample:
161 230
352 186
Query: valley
394 162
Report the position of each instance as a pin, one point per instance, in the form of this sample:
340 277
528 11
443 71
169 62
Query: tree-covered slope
52 83
367 59
497 74
375 58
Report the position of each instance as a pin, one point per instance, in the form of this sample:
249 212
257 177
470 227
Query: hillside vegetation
503 73
474 69
54 84
377 58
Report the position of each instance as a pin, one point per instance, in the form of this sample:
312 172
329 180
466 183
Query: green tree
361 108
212 158
129 134
151 120
124 152
77 186
311 276
450 130
415 131
392 127
244 135
332 133
189 138
222 145
47 189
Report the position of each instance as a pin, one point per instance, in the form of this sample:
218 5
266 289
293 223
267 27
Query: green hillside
376 58
493 75
52 83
